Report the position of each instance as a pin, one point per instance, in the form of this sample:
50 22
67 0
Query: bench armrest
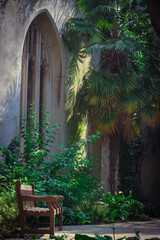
60 197
53 198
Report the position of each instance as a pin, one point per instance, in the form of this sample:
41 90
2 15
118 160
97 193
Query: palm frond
104 16
126 44
108 123
86 6
150 115
109 10
103 84
129 101
127 78
82 26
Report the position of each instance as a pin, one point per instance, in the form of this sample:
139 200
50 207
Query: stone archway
41 76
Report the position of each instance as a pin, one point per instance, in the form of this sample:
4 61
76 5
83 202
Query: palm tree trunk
113 162
105 164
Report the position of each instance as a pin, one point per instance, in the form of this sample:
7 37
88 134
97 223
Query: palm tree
113 96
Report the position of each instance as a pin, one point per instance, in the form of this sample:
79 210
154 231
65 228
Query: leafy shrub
73 216
68 173
121 207
98 212
8 213
93 214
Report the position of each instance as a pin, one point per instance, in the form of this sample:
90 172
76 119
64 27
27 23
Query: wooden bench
27 207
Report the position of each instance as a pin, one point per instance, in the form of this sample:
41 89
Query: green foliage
121 207
33 236
73 216
98 212
83 237
69 173
8 213
63 237
92 214
38 137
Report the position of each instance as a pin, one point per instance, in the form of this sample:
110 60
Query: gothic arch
41 66
41 75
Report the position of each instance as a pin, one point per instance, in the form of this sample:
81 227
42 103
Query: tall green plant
38 136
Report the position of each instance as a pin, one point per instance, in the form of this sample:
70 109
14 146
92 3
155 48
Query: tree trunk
105 165
113 162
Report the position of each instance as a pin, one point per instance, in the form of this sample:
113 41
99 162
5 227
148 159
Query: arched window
34 70
41 76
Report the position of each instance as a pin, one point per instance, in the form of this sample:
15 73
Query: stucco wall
15 18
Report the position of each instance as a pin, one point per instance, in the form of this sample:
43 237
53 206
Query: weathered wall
15 18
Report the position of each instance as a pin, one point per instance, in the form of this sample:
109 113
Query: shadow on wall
9 113
12 94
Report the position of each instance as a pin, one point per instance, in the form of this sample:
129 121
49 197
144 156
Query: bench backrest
24 190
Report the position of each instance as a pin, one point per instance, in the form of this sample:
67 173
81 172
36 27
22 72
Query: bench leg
60 221
52 224
22 224
36 221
